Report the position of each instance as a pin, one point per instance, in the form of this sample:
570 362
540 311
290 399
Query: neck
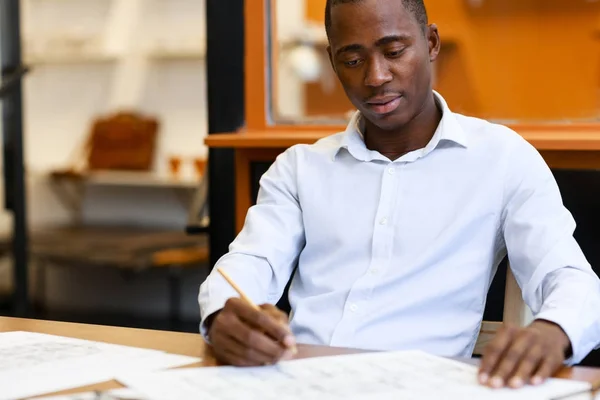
411 136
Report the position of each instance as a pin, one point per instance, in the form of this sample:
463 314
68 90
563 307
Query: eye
352 63
394 53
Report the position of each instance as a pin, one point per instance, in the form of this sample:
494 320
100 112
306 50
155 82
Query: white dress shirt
400 254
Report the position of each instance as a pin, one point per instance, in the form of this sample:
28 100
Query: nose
377 72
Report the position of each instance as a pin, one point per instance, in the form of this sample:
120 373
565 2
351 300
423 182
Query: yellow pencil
238 289
244 296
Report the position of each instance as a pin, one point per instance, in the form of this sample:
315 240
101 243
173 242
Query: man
397 225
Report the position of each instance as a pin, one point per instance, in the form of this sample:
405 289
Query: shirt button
383 221
354 308
391 171
374 271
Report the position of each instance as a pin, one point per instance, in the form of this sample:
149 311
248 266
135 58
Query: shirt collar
448 131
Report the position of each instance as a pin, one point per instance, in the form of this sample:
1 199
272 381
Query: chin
391 121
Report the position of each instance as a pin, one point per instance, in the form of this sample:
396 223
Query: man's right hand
245 337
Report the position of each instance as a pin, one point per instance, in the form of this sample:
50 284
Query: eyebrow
391 39
383 41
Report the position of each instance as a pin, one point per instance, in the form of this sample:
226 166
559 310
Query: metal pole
225 77
12 126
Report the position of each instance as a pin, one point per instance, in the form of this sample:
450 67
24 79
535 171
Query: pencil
238 289
244 296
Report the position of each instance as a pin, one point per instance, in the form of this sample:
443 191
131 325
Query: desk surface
185 344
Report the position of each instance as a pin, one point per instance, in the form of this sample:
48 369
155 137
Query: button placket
384 229
360 292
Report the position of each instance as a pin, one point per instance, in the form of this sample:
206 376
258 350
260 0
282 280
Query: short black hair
415 7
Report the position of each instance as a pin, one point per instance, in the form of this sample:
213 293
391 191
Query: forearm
264 254
571 299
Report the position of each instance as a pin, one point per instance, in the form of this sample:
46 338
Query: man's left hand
520 356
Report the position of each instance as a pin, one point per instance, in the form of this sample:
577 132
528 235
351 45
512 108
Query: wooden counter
578 148
543 140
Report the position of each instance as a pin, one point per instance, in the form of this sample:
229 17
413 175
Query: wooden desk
186 344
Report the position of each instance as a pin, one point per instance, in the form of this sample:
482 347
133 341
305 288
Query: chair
515 312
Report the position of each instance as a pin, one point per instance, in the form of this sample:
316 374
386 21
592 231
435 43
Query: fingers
263 321
289 341
494 352
243 336
513 354
517 357
529 364
547 367
255 341
241 354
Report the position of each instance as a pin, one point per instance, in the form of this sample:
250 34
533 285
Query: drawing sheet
33 364
387 375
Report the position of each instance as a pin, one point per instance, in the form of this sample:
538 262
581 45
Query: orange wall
514 59
315 10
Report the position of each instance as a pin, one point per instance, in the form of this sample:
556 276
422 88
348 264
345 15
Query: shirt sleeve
262 257
557 282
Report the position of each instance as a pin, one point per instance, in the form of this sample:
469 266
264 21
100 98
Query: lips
384 104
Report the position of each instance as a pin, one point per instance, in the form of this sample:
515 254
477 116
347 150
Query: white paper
391 375
33 364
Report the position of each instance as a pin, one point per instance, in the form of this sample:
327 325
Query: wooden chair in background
516 313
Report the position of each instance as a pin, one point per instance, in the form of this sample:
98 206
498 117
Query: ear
433 39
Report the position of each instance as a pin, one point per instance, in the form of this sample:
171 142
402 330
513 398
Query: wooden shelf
147 179
128 179
564 141
57 59
569 139
166 55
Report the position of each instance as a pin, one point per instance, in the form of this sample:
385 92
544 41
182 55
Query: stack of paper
33 364
395 375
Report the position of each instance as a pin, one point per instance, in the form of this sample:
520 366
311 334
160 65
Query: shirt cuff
567 321
207 312
211 300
